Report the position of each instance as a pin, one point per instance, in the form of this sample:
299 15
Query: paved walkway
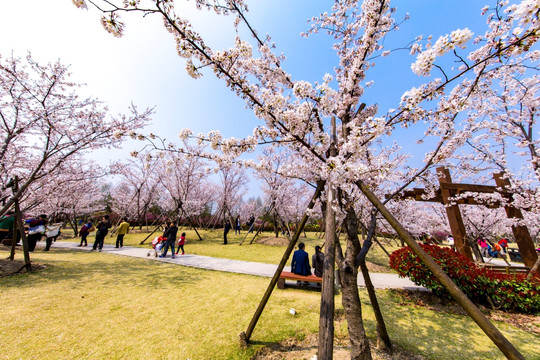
380 280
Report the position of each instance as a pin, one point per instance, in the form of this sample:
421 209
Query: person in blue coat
300 261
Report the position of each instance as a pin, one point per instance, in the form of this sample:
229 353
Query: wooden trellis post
449 189
521 233
454 214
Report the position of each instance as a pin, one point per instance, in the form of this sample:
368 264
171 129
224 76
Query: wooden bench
285 275
506 269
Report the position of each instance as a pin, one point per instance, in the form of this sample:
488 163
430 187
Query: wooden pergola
447 192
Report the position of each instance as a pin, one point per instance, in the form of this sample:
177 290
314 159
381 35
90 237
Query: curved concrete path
380 280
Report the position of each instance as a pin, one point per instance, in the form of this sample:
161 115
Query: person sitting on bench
300 263
317 261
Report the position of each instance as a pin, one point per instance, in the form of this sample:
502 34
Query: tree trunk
326 320
14 239
353 311
276 228
534 269
474 247
23 237
352 305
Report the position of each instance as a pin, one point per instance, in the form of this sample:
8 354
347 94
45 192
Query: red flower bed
510 292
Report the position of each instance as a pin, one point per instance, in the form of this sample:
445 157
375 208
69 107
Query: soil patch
15 267
12 267
273 241
525 322
375 268
292 348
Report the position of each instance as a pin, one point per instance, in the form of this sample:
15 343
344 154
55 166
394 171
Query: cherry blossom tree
231 188
252 206
44 123
138 187
185 179
338 137
285 199
75 193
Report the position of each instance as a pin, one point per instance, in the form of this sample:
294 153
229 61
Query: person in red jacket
181 243
504 244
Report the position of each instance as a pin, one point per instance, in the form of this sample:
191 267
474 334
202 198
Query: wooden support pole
521 233
191 222
382 333
489 329
247 233
245 336
382 247
146 238
258 232
454 215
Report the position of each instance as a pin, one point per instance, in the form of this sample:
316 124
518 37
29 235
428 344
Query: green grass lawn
102 306
211 245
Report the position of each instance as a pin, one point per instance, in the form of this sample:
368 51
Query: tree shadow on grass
442 335
80 268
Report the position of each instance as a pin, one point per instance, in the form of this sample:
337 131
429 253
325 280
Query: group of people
102 228
237 226
169 234
34 228
490 249
300 262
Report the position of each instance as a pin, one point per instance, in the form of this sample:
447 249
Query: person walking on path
300 262
226 229
52 233
84 232
181 243
318 262
35 231
170 234
123 229
102 230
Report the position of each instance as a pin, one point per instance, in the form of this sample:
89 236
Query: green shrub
510 292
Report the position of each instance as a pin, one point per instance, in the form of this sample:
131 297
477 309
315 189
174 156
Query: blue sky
143 66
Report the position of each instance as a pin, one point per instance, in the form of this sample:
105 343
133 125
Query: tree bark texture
534 269
521 233
326 319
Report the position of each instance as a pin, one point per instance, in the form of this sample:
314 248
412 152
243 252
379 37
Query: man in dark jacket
102 230
300 262
226 229
170 234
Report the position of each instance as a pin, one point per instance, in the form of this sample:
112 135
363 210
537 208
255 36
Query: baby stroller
157 244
